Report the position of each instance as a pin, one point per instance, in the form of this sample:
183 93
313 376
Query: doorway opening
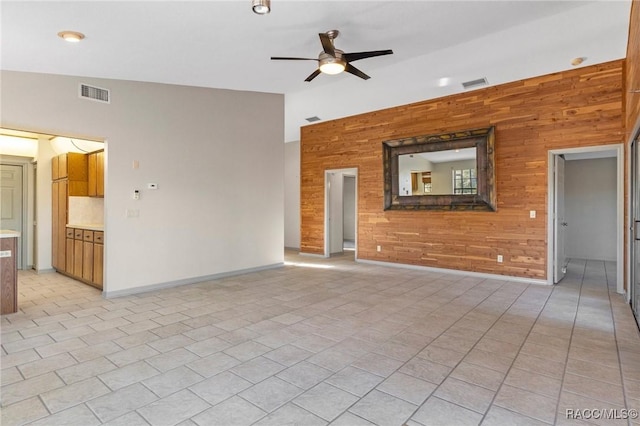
340 218
585 208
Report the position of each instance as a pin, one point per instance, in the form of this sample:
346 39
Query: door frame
620 223
351 171
28 201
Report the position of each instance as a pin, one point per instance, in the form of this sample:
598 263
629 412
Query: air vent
95 93
312 119
475 83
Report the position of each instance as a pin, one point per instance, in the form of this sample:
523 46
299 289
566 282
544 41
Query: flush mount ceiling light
577 61
71 36
261 7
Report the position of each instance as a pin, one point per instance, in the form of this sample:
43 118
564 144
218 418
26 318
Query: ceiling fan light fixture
331 65
71 36
261 7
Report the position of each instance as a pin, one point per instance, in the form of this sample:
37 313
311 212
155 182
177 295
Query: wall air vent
312 119
475 83
95 93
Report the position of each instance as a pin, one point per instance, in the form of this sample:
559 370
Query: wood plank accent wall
632 69
575 108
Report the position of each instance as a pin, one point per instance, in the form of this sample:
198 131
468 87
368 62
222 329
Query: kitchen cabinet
69 175
85 251
73 167
9 272
95 165
98 258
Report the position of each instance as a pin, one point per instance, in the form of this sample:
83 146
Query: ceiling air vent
312 119
475 83
95 93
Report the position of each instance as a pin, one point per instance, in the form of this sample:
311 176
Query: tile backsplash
86 210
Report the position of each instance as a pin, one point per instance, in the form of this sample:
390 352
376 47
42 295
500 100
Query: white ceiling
222 44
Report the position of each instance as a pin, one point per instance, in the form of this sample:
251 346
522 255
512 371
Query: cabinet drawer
70 232
88 236
78 234
98 237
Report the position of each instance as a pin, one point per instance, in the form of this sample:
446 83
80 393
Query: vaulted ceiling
221 44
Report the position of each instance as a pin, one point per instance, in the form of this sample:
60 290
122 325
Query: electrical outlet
133 213
532 214
379 248
499 258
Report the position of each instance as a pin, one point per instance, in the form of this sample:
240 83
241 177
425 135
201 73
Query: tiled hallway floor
323 341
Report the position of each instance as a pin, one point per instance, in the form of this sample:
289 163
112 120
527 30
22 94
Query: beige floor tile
536 383
271 394
438 412
391 337
526 403
465 394
326 401
593 389
383 409
23 412
498 416
174 408
477 375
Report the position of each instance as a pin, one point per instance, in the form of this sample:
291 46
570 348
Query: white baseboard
456 272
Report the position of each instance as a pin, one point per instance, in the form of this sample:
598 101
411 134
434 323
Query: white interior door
559 222
11 202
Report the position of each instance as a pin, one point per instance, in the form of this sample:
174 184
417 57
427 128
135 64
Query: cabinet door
69 254
93 174
77 258
62 166
55 172
87 261
98 255
100 174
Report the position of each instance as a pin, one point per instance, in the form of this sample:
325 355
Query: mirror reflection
448 172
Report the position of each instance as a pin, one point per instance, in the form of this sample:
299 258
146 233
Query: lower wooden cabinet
84 257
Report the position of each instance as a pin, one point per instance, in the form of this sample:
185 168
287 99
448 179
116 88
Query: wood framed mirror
447 171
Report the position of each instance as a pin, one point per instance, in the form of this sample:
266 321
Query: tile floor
323 341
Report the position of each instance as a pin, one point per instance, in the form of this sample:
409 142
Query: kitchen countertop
87 226
6 233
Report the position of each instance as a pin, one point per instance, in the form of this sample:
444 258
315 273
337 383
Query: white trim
635 133
620 223
313 255
347 171
169 284
456 272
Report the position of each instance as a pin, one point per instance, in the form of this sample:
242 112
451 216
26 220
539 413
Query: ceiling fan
334 61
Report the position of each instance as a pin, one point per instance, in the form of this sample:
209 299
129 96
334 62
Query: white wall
442 175
406 164
292 195
199 145
590 208
44 205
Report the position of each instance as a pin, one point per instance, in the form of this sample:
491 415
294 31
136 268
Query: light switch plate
5 253
532 214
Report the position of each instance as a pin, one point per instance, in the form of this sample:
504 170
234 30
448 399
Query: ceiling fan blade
286 58
313 75
350 57
327 44
355 71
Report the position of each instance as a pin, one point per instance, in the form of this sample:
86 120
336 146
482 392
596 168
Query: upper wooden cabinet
71 166
96 174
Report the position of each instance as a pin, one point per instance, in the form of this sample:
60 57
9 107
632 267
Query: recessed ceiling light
261 7
71 36
444 81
